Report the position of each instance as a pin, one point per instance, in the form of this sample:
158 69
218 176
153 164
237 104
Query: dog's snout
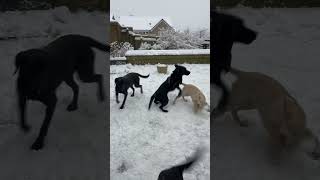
254 35
251 36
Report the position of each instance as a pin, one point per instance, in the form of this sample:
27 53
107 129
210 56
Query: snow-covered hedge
120 49
168 52
191 56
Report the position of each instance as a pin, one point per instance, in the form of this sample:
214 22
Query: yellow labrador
198 99
282 116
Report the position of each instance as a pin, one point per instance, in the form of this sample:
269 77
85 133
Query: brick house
137 29
146 24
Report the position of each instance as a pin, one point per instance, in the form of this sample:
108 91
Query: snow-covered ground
146 142
76 142
168 52
287 48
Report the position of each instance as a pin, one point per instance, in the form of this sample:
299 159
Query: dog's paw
37 145
163 110
132 95
25 128
118 102
72 107
121 107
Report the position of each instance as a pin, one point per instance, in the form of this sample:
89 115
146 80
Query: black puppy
41 71
176 172
226 30
123 84
172 82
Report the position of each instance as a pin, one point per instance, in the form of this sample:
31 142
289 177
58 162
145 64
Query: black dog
226 30
172 82
41 71
123 84
176 172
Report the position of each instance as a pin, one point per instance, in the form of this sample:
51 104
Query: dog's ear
176 65
19 59
116 80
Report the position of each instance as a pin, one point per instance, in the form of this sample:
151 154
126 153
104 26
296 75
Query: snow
168 52
44 23
287 49
161 65
145 39
148 141
118 59
76 142
142 22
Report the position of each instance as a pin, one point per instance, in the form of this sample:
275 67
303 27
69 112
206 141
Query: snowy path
287 49
150 141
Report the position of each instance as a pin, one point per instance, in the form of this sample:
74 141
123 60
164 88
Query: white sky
193 14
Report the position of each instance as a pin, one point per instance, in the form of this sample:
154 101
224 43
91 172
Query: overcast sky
193 14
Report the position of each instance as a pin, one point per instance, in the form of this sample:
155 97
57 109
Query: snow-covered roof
113 18
168 52
142 22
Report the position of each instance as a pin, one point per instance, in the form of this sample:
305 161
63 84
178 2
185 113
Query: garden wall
198 56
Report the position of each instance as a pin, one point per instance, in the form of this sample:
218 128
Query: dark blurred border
267 3
73 5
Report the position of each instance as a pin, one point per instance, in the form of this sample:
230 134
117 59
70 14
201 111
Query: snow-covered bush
33 4
145 46
170 39
120 49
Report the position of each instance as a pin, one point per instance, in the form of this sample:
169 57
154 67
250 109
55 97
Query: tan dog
281 114
198 99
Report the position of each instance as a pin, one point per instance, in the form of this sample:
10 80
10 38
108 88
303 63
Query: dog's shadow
247 153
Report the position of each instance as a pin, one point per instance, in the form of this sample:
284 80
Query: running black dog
176 172
172 82
41 71
123 84
226 30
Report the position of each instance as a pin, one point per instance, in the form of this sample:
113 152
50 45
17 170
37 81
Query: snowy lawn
287 49
76 142
146 142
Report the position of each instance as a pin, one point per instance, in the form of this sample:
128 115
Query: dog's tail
179 169
143 75
151 100
188 164
99 45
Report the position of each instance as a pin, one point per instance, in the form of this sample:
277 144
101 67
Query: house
148 25
136 30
